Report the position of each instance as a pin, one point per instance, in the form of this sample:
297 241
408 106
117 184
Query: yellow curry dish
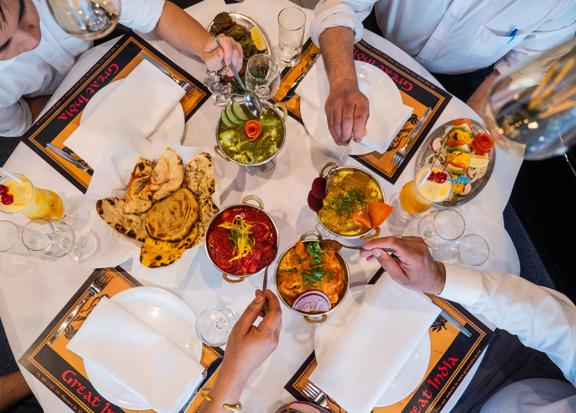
307 267
349 194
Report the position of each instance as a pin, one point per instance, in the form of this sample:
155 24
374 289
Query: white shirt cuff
141 15
463 285
339 16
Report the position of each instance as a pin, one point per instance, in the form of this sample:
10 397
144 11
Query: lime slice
238 112
258 38
478 161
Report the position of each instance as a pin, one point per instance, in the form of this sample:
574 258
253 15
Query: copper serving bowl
249 203
319 317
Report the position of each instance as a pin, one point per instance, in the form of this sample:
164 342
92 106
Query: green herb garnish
346 203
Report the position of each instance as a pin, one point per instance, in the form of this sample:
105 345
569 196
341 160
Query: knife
68 157
209 372
456 323
183 84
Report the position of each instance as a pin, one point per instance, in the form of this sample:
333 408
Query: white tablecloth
32 292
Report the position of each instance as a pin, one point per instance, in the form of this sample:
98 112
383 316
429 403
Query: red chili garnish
252 129
440 177
3 189
7 199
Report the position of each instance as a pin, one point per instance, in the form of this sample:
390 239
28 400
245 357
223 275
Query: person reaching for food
511 377
465 43
36 54
247 348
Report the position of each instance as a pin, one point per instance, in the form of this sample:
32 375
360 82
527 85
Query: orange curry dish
306 266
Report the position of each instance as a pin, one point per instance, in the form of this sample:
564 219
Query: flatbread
156 253
200 174
172 218
111 210
136 200
167 176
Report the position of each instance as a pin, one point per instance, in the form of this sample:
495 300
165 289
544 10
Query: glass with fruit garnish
433 184
17 194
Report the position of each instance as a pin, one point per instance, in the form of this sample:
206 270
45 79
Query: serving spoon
250 99
334 245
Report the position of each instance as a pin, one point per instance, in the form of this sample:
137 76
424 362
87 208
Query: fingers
272 320
251 313
384 242
347 124
361 114
226 53
347 112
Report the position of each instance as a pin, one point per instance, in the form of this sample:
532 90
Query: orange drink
430 186
33 202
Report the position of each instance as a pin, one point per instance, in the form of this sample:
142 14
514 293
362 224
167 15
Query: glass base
214 325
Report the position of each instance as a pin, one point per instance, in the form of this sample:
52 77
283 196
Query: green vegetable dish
247 140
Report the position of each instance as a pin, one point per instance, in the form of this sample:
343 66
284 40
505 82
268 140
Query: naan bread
172 218
136 200
167 176
156 253
111 210
200 175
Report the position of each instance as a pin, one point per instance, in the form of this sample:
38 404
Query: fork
401 153
315 395
187 86
95 288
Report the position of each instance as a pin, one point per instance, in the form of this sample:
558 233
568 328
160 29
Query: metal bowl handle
267 167
320 320
328 168
313 233
283 108
246 200
368 236
232 279
220 152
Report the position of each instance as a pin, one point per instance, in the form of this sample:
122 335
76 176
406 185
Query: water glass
471 250
399 218
262 76
86 19
441 227
291 25
11 239
48 240
214 325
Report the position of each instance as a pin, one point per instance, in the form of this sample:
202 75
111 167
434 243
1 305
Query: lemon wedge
477 161
258 38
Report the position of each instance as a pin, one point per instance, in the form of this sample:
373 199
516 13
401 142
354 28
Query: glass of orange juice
17 194
431 185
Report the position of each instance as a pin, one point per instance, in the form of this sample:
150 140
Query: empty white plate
409 377
170 130
164 312
387 112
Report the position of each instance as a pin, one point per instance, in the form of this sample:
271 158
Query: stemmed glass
471 249
86 19
262 76
532 111
440 228
214 325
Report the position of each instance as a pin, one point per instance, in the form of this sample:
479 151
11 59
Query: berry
431 176
440 177
3 189
7 199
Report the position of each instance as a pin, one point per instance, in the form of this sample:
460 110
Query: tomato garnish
482 143
252 129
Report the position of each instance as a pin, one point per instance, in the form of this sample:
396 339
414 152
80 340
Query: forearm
13 388
480 96
227 390
541 318
181 30
36 105
336 45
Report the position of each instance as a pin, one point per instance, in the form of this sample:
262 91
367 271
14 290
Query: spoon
334 245
251 100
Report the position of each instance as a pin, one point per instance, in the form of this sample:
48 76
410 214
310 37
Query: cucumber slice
239 112
230 115
225 119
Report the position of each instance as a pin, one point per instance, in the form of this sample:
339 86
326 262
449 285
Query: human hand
249 345
347 111
413 266
228 52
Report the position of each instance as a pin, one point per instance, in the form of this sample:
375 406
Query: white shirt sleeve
345 13
141 15
15 119
551 33
542 318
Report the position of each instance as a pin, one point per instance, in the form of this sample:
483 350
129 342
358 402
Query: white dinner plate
387 112
408 378
168 315
170 130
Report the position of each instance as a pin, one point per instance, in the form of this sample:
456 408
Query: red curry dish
242 240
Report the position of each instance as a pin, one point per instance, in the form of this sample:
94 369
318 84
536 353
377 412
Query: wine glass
214 325
532 111
86 19
262 76
440 228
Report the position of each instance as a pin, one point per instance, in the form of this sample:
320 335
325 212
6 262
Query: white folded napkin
137 357
130 114
387 112
365 356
